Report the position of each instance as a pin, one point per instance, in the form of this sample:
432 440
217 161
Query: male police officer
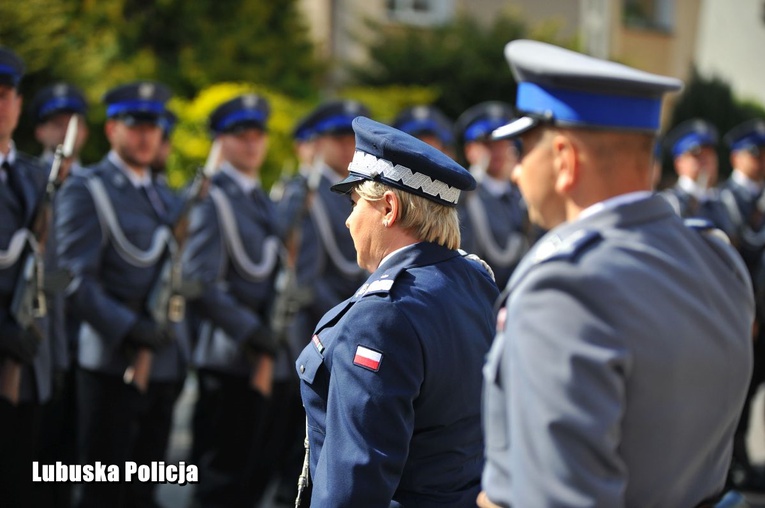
692 145
112 227
22 179
233 251
52 110
429 124
312 223
495 223
595 395
744 203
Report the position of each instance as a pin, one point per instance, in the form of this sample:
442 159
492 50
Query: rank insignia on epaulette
563 248
317 342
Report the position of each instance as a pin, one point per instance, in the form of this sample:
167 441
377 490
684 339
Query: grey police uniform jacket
35 378
232 251
495 228
326 263
622 367
745 222
391 385
114 268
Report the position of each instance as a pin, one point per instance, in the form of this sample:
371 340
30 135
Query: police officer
494 221
233 251
594 394
52 109
325 266
113 231
22 179
429 124
692 145
744 202
390 422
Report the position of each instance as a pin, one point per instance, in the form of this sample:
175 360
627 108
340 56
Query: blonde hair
427 220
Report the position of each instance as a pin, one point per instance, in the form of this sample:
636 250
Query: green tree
186 45
462 61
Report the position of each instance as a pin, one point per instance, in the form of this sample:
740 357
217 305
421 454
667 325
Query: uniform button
302 369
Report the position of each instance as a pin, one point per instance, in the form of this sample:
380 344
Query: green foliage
713 100
462 62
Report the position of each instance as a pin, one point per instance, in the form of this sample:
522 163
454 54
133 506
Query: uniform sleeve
204 258
370 415
565 389
79 239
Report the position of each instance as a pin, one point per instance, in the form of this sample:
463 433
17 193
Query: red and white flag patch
367 358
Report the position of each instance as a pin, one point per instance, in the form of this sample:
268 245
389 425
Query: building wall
730 45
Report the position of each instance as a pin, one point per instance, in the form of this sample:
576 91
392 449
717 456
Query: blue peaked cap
690 135
746 135
11 68
242 112
333 118
425 120
479 121
387 155
139 102
567 88
58 98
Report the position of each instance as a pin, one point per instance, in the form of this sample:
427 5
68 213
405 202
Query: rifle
290 297
29 301
166 303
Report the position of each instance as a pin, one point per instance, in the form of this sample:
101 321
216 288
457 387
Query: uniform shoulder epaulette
477 259
706 227
29 159
380 285
555 248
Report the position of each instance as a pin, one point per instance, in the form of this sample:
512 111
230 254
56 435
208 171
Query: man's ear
566 163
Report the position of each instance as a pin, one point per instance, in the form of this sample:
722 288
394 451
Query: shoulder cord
255 272
321 219
748 235
516 246
16 246
162 238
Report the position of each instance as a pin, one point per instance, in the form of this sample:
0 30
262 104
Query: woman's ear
390 207
566 163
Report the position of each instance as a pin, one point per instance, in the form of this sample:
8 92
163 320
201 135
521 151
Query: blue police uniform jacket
326 263
496 229
232 251
391 384
112 277
36 378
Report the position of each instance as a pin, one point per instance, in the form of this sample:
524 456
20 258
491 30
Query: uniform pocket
308 364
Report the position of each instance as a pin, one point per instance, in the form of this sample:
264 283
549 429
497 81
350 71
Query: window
420 12
651 14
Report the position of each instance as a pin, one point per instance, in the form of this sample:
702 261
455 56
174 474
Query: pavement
176 496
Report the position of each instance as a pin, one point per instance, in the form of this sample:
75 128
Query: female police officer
391 379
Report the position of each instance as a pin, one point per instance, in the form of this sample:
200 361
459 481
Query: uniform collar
138 181
614 202
689 186
390 255
747 183
330 174
11 157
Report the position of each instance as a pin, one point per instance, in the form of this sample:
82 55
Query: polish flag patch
367 358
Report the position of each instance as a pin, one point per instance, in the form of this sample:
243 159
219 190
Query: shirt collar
138 181
11 157
689 186
391 254
331 175
744 181
245 182
613 202
494 186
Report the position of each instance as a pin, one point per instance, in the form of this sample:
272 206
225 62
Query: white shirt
245 182
495 187
744 181
138 181
11 158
